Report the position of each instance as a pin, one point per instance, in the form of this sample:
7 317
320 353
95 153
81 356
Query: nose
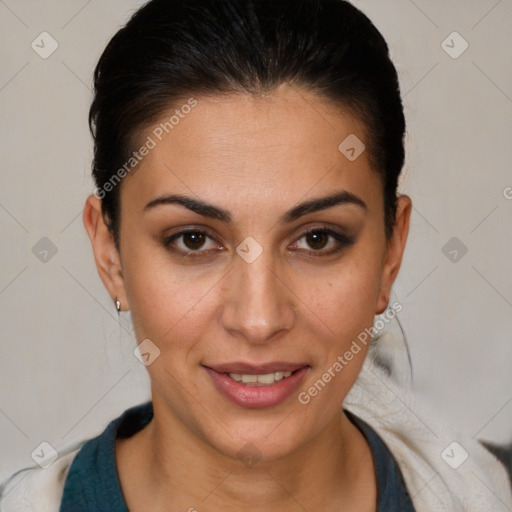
258 303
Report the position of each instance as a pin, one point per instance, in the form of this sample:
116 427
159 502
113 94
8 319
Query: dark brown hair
172 49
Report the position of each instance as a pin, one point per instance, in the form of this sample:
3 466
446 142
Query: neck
191 474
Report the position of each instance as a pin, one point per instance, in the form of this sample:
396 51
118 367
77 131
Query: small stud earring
118 305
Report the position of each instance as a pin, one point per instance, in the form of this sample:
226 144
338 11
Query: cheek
342 301
340 312
164 298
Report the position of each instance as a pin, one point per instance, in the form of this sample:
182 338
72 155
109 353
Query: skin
256 157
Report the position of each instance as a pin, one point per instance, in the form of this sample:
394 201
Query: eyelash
343 241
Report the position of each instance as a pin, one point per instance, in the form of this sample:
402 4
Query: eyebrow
216 212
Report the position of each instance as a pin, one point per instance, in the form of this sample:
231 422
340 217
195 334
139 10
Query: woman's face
248 291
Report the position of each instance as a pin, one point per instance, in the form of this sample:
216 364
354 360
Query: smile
251 386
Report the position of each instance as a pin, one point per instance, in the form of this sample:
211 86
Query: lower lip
256 396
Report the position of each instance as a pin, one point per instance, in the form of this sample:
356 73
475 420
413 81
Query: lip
256 397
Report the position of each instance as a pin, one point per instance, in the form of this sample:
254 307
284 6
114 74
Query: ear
395 251
106 255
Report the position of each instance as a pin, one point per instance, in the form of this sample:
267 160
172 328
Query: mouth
257 386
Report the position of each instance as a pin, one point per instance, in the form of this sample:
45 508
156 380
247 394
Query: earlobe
382 304
395 251
106 256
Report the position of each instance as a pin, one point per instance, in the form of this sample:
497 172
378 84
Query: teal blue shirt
92 484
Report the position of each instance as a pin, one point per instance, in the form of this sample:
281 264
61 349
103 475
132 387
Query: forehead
280 145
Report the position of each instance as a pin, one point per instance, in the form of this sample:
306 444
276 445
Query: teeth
269 378
257 380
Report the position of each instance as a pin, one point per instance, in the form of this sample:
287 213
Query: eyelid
328 227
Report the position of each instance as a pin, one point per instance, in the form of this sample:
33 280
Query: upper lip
244 368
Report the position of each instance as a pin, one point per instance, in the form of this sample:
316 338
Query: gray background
66 365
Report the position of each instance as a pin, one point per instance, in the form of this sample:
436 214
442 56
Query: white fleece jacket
421 442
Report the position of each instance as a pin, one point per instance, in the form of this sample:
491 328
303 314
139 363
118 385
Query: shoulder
88 464
440 463
34 489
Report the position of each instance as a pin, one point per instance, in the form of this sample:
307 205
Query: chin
253 441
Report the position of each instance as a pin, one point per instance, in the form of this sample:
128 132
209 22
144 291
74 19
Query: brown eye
194 240
317 239
322 242
190 242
